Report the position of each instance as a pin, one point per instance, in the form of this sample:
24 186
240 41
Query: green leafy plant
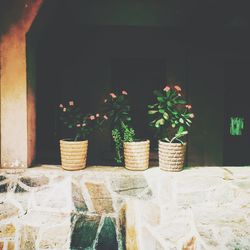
117 111
171 116
81 125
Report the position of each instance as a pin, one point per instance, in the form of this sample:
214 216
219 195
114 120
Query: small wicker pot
73 154
136 155
171 156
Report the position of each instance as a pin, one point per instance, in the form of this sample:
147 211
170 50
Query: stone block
11 245
148 241
78 199
129 185
84 231
35 181
7 230
100 197
56 237
28 237
107 238
8 210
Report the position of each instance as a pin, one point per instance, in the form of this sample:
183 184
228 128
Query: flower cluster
171 114
81 124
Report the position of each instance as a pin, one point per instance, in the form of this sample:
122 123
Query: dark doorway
237 103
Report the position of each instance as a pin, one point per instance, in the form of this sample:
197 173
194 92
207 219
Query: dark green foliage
117 109
171 117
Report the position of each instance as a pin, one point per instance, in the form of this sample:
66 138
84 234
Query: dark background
82 50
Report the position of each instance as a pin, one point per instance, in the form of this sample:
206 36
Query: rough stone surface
28 239
129 185
113 208
84 231
7 210
35 181
100 197
7 230
78 199
107 236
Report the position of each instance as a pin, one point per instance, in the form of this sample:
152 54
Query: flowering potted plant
74 150
172 117
136 153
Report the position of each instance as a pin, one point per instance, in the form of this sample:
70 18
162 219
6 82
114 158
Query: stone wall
113 208
48 208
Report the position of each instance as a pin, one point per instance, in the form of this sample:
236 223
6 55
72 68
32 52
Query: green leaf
160 122
180 130
152 106
161 111
160 98
165 116
180 102
151 112
181 120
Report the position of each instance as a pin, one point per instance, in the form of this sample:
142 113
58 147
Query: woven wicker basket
136 155
73 154
171 156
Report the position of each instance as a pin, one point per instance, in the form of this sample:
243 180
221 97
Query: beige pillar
15 144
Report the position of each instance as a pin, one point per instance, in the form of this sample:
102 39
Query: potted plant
136 153
74 150
171 118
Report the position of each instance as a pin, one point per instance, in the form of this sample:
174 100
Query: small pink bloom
92 117
191 115
177 88
64 109
124 92
78 125
105 117
105 100
113 95
60 106
167 88
71 103
84 124
97 115
188 106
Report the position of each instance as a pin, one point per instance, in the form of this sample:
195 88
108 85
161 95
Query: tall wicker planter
136 155
171 156
73 154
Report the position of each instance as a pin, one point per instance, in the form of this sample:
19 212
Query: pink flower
60 106
105 100
71 103
92 117
167 88
188 106
191 115
64 109
84 124
124 92
177 88
78 125
97 115
105 117
113 95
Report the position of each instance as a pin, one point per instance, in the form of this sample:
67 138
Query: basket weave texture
171 156
73 154
136 155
